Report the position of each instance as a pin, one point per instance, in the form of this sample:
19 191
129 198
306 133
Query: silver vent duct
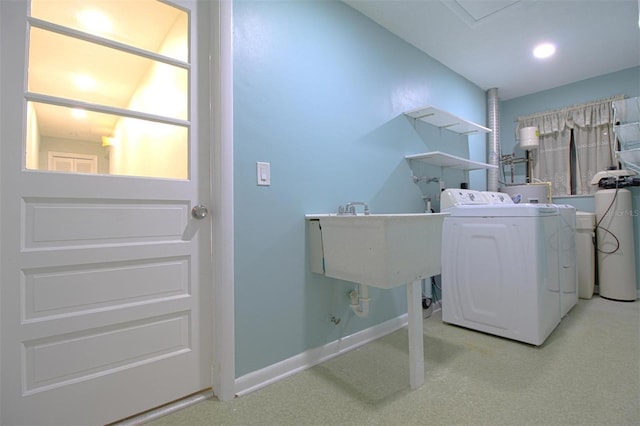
493 138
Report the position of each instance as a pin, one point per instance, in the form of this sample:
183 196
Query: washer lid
503 210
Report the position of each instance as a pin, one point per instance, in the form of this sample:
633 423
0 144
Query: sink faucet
350 208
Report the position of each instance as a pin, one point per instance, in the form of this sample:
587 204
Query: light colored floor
586 373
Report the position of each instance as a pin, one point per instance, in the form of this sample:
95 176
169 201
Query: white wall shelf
627 115
444 120
630 159
441 159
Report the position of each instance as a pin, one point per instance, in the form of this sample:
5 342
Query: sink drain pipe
493 139
360 300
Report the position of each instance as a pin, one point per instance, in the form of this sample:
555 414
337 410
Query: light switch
263 172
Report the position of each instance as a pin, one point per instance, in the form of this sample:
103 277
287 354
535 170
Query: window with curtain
575 143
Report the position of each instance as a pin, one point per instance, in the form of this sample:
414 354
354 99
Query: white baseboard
278 371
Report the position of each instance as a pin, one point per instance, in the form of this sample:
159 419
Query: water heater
614 237
529 138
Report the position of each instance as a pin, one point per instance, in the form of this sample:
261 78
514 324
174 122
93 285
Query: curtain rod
570 108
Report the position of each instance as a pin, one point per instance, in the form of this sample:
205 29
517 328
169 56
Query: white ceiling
489 42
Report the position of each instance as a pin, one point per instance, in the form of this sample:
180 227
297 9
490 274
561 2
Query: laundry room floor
586 373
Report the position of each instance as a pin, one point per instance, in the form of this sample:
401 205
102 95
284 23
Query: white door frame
223 365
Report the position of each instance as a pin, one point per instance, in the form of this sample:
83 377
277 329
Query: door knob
199 212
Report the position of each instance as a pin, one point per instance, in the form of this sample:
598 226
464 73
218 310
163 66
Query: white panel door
105 285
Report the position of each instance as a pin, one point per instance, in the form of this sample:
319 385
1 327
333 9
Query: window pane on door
123 145
120 93
70 68
144 24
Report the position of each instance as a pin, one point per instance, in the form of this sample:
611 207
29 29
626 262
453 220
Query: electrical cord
434 291
427 302
615 196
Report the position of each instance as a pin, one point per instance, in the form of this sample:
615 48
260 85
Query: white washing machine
500 266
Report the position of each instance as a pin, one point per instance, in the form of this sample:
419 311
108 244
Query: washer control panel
497 197
458 197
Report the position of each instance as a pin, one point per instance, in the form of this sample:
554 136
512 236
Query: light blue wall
625 82
319 92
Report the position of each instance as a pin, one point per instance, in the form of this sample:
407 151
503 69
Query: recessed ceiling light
544 50
94 21
78 113
84 82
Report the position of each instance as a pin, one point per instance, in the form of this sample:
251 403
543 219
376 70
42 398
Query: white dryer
500 266
567 252
566 240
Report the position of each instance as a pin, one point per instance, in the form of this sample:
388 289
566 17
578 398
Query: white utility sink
380 250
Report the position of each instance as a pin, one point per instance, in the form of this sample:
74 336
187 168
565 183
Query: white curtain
595 144
592 125
551 159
